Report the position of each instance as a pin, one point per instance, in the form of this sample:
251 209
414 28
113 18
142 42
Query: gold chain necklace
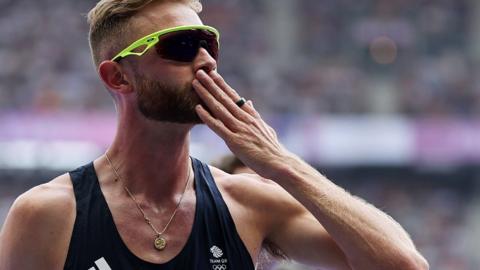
160 242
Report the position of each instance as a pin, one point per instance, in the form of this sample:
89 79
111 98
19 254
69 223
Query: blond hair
109 20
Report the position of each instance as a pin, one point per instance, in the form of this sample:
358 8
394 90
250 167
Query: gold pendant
160 243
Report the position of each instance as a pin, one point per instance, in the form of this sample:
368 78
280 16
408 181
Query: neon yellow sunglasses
179 43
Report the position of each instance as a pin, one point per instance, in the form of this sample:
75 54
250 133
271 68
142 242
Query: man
146 204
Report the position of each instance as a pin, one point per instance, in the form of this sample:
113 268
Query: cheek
173 75
183 79
174 71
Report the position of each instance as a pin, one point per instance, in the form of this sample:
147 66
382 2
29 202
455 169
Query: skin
242 170
308 217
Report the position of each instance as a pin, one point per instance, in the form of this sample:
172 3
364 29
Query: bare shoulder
44 215
254 191
46 200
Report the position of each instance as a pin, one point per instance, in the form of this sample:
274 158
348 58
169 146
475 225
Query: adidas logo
101 265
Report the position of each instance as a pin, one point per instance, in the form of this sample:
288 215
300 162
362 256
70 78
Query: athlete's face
164 87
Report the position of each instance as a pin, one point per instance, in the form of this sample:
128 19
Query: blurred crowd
413 58
416 58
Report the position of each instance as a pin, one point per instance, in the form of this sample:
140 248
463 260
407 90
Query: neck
152 158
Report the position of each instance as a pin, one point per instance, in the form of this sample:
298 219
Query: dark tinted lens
209 42
183 45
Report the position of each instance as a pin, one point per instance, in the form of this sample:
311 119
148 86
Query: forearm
369 238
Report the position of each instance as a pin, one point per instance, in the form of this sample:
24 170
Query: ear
114 77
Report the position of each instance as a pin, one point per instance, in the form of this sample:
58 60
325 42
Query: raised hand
241 127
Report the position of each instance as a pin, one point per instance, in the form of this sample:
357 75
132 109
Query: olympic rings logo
219 267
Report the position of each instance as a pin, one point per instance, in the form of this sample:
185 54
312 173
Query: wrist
285 168
292 169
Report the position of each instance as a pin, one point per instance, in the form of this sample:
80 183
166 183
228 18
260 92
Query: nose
204 61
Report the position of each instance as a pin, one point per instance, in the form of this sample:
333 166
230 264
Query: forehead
161 15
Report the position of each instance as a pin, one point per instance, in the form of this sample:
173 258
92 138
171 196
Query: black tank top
213 244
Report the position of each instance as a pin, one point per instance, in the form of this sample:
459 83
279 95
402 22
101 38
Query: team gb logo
216 251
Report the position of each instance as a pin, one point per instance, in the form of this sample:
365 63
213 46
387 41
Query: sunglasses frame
152 39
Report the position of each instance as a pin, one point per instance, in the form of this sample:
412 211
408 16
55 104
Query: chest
186 226
143 239
202 227
111 233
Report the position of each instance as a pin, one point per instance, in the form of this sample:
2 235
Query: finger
248 107
221 95
272 132
214 124
218 79
218 109
225 87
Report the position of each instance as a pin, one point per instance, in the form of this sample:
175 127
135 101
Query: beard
167 103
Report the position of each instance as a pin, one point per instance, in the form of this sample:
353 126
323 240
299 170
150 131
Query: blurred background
381 96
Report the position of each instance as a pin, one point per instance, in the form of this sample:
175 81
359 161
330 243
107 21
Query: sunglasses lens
208 41
183 45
